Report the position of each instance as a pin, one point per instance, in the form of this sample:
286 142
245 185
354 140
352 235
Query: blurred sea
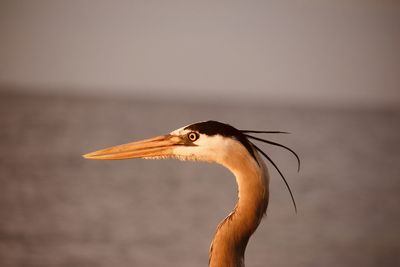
57 209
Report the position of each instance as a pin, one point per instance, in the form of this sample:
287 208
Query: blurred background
77 76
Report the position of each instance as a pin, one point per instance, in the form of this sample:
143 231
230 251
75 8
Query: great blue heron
214 141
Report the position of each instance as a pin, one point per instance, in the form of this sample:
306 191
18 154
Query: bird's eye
193 136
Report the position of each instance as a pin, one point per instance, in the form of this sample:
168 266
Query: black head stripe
211 128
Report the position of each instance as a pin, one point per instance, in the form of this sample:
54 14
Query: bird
213 141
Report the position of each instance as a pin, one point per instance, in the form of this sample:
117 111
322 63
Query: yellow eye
193 136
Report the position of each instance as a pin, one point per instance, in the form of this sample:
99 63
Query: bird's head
204 141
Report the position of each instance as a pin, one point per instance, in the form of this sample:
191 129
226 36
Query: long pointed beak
161 146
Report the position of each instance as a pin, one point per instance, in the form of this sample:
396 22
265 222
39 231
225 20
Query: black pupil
192 136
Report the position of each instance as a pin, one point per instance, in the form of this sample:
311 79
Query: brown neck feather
233 233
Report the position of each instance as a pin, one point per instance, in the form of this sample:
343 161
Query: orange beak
161 146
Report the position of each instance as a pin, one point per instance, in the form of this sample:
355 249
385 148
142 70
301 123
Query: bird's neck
233 233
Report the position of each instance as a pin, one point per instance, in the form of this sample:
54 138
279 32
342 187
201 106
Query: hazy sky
309 51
